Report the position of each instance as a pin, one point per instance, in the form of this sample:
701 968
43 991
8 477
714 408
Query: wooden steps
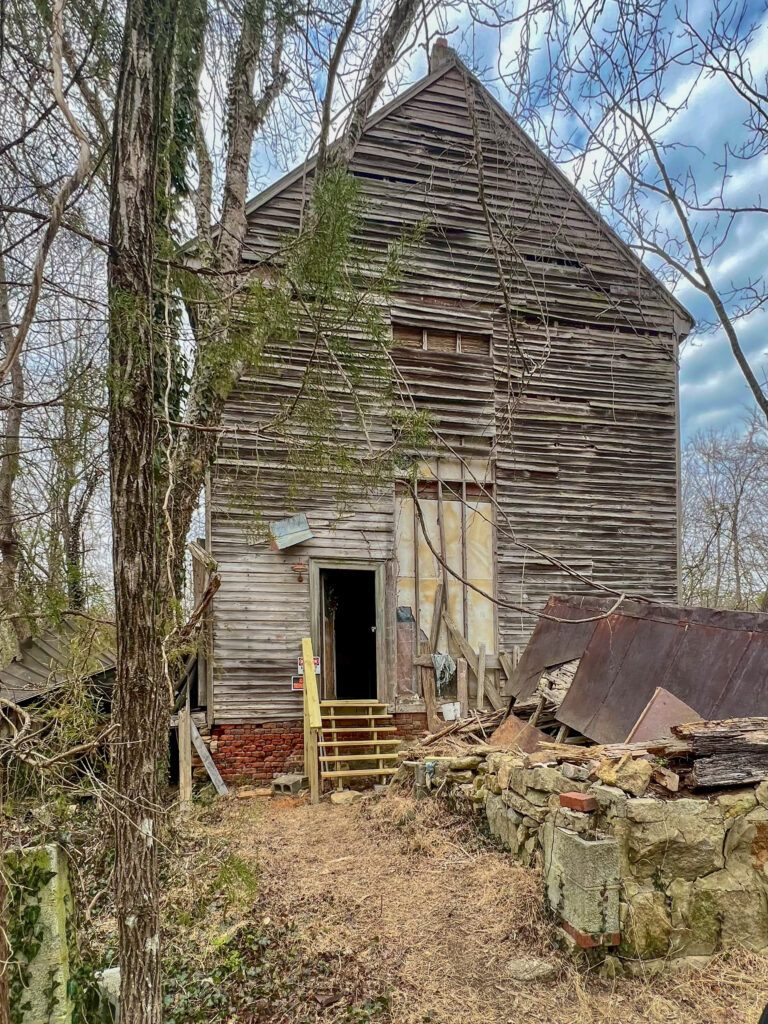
358 757
356 718
357 728
362 743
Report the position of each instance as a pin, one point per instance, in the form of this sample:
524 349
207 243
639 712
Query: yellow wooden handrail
312 720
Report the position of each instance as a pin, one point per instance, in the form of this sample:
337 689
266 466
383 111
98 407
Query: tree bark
141 705
5 950
9 467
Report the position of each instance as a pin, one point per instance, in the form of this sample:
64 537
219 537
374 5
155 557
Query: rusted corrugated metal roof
716 661
46 661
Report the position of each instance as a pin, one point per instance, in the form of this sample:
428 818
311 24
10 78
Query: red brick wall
411 725
258 751
262 751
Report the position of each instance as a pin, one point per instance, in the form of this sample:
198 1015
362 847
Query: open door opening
349 634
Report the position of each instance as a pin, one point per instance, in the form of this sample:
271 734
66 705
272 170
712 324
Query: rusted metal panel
716 662
552 643
748 686
703 665
661 712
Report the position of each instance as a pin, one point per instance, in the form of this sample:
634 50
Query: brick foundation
411 725
258 750
263 750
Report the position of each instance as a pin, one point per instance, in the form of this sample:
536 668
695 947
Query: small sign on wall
297 682
301 666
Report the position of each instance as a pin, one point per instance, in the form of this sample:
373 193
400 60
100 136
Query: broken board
205 757
513 732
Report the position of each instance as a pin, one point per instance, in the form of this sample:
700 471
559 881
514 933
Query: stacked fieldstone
693 872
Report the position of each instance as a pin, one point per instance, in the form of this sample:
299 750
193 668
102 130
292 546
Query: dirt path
436 918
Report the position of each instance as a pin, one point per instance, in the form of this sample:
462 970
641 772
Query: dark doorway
349 633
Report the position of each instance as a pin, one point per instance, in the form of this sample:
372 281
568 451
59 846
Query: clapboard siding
584 438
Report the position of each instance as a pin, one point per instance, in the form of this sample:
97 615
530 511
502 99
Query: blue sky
713 392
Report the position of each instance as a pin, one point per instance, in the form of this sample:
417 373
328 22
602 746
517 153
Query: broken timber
472 660
733 752
205 757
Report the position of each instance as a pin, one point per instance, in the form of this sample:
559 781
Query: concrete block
46 999
108 982
581 881
289 785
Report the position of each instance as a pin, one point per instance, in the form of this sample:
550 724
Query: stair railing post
312 721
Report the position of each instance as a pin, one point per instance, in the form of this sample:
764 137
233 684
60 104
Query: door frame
379 567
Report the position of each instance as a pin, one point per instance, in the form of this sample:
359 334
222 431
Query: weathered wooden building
545 354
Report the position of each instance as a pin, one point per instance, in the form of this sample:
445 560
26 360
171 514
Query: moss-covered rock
645 922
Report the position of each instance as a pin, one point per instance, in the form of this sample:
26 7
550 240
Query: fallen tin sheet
661 712
714 661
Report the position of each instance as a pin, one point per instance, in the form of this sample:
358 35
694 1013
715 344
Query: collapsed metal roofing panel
552 643
45 662
715 661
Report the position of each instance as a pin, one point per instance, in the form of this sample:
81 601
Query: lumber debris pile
698 755
476 728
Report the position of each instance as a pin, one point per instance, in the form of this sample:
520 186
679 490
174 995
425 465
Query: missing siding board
437 339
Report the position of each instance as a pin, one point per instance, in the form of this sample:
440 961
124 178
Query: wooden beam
462 687
205 757
429 690
491 661
473 661
463 645
312 721
481 677
184 735
507 664
434 631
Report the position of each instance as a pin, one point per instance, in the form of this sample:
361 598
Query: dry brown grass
433 914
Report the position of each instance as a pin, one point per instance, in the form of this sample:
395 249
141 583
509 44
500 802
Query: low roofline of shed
453 61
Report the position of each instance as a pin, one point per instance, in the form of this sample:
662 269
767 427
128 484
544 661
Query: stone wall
691 873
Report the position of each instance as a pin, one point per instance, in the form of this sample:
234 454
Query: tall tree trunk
5 950
141 705
9 467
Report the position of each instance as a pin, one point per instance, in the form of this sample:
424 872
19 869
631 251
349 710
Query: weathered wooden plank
184 735
481 677
205 757
462 687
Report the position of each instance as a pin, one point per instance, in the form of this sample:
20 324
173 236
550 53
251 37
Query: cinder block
578 802
581 881
289 785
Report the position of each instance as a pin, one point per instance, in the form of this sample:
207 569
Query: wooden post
434 631
429 691
312 721
462 687
314 769
184 734
481 677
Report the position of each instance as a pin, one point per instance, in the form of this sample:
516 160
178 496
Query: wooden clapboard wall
584 439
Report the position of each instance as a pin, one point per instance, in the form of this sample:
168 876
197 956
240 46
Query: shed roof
716 661
46 662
